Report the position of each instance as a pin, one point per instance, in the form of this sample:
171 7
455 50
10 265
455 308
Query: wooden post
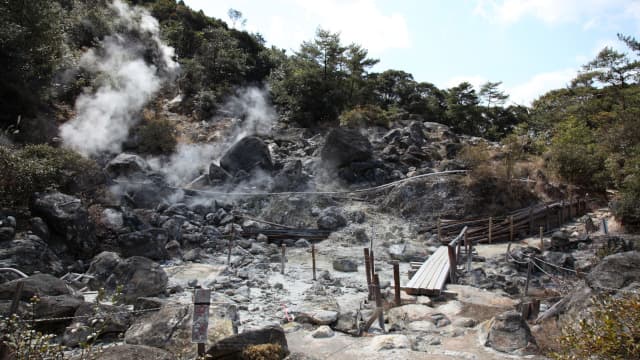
367 267
467 244
506 255
526 284
15 302
230 247
282 258
372 264
396 281
439 229
452 264
605 228
313 260
490 228
541 238
376 281
531 221
201 302
511 228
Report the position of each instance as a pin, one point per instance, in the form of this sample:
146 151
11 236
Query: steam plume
104 117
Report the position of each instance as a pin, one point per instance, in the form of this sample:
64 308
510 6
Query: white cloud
286 23
361 22
475 80
587 12
539 84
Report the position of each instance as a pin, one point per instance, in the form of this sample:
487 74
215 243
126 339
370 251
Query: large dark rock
58 307
113 320
170 327
232 348
38 284
616 271
139 277
68 220
149 243
102 267
509 332
331 218
138 352
128 166
30 254
247 154
343 146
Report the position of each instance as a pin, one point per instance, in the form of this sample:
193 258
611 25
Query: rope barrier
290 193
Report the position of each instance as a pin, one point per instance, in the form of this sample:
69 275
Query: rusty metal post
490 228
396 281
16 298
453 263
372 263
313 260
541 238
282 258
376 281
367 269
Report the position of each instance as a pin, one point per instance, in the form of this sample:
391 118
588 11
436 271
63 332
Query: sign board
201 302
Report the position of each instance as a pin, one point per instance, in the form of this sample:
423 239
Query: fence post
561 214
367 267
282 258
468 247
526 285
439 229
313 260
396 280
490 228
376 281
16 298
453 264
605 228
541 238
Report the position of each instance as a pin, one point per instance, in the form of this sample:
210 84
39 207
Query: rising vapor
105 116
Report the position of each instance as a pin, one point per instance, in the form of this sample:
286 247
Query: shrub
157 137
40 167
626 208
472 156
611 331
263 352
364 115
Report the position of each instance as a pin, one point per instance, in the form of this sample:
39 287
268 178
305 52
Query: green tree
492 95
462 109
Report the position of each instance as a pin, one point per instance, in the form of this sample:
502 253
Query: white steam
256 116
104 117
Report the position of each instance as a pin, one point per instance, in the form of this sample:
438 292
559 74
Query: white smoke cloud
104 117
253 114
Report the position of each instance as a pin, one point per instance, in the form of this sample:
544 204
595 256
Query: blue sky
531 45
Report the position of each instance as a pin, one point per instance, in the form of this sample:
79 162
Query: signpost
201 302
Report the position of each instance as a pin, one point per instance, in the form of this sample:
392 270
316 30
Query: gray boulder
616 271
128 166
68 220
140 277
38 284
247 154
148 243
345 265
331 219
344 146
114 320
102 267
30 254
509 332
